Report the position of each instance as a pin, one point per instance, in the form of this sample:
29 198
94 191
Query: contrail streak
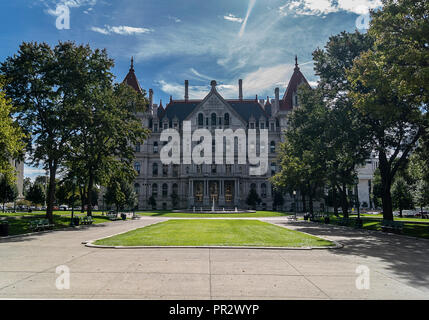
249 10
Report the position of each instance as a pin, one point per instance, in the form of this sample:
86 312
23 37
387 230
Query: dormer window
214 117
200 120
226 117
252 125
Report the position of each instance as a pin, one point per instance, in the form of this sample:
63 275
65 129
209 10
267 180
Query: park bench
112 216
392 226
39 225
85 220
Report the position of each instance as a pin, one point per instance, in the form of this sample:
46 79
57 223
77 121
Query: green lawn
18 224
200 232
374 223
257 214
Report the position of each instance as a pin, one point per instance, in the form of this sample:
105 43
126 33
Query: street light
73 196
294 201
358 221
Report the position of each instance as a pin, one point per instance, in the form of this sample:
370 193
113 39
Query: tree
11 136
401 33
8 191
152 202
45 84
303 153
253 199
107 130
120 193
278 200
344 135
401 195
390 85
36 194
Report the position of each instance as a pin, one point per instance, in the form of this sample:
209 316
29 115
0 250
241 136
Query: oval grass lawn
199 232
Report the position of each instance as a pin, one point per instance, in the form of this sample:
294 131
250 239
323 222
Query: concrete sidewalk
398 267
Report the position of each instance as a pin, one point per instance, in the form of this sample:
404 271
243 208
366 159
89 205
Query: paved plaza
399 267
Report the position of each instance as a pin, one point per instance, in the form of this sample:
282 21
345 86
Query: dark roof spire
131 78
296 63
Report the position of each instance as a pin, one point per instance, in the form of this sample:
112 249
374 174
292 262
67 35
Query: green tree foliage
303 154
36 194
45 84
253 199
401 195
8 191
107 131
389 84
120 193
278 200
11 136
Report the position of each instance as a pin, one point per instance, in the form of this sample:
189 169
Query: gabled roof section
286 104
131 78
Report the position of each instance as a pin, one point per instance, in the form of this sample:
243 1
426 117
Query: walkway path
398 267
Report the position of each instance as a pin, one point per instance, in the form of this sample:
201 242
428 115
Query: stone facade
198 186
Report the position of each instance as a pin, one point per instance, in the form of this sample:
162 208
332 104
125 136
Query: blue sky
197 40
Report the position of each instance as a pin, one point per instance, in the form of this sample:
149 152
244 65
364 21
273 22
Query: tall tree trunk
310 202
335 202
386 183
344 201
89 194
304 205
51 191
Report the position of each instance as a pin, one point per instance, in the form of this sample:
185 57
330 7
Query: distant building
19 168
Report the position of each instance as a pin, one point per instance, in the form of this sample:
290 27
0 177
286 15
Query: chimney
150 98
186 90
277 104
240 89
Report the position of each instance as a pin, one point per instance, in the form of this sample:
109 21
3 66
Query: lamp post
73 196
294 201
358 221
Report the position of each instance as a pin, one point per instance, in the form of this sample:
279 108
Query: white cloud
233 18
324 7
121 30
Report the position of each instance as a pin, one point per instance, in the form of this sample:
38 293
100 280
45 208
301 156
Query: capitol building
180 186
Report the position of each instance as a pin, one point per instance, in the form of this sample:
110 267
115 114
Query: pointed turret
287 103
131 78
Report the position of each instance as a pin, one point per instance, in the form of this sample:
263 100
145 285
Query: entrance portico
224 192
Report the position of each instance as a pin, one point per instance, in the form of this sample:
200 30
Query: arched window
164 190
155 190
175 189
155 170
226 117
165 170
263 190
273 147
137 149
175 170
137 188
200 119
137 167
214 118
155 147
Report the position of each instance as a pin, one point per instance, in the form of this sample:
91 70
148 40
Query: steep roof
286 104
131 79
245 108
